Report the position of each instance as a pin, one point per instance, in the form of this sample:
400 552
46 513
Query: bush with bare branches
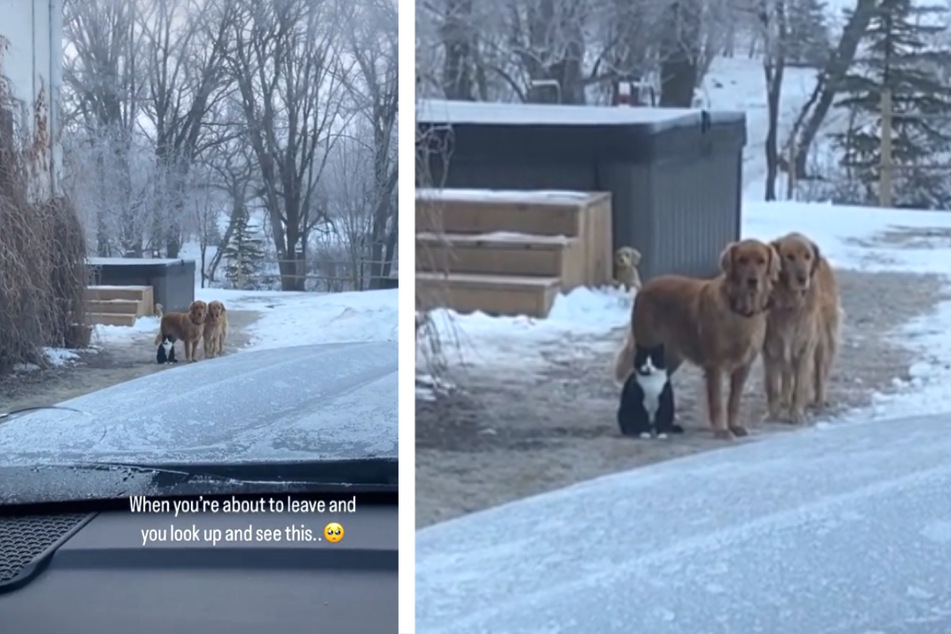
434 341
42 250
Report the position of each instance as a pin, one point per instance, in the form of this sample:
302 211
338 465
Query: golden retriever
185 326
717 324
215 329
626 260
802 329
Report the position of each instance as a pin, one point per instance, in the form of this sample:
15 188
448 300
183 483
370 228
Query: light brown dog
185 326
626 260
802 330
214 329
717 324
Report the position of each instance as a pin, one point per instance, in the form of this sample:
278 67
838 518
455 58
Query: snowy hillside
737 84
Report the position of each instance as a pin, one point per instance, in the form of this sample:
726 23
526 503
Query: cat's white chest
652 387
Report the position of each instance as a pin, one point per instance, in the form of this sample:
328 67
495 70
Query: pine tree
807 41
901 55
244 253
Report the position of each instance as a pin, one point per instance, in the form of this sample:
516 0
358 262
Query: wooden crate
585 216
491 294
503 254
118 305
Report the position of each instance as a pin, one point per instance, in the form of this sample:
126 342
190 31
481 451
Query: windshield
171 295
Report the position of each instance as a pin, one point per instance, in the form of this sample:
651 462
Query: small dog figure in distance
647 402
626 260
166 351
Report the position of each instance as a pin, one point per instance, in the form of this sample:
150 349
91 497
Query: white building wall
33 31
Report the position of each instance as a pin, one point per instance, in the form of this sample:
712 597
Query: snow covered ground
849 236
292 319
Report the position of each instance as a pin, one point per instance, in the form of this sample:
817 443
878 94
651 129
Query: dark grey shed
172 281
675 175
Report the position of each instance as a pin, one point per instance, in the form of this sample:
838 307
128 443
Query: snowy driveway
841 529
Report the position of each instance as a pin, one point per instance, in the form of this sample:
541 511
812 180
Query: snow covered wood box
509 252
172 281
675 175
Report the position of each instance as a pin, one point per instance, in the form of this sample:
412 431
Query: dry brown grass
42 249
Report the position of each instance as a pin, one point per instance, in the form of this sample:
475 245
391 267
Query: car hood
846 528
308 403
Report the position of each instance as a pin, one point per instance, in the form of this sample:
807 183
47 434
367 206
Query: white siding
32 63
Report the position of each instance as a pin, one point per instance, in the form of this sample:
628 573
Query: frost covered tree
900 56
244 253
808 33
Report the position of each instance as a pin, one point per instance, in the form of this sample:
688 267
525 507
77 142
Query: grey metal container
675 175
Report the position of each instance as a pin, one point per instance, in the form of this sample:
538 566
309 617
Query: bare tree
459 59
373 43
102 95
112 178
286 64
828 82
680 53
772 16
350 189
184 43
231 168
204 204
568 51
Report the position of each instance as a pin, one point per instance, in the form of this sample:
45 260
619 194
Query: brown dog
214 329
718 325
626 260
185 326
802 329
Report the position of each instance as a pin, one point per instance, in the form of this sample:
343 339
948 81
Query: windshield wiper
23 410
360 472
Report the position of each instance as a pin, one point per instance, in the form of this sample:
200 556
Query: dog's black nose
753 283
802 277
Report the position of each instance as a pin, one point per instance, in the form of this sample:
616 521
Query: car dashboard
82 571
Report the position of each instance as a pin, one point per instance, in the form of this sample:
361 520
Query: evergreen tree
807 40
244 253
901 55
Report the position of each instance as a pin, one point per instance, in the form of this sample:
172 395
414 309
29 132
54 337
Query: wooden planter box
78 336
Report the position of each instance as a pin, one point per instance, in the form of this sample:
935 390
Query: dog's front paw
797 416
739 431
774 414
722 434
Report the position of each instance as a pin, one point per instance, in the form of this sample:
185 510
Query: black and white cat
647 401
166 350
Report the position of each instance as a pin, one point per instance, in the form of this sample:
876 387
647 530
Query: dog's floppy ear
816 256
726 259
635 256
775 264
777 246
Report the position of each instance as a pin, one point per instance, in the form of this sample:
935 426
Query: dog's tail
624 360
158 313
